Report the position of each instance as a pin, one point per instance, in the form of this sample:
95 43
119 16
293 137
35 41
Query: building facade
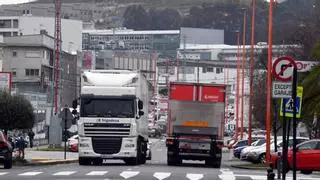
31 61
71 30
165 42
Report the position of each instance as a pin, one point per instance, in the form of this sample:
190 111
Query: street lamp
251 69
243 67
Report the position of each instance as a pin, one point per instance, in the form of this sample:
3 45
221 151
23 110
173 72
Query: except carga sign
281 90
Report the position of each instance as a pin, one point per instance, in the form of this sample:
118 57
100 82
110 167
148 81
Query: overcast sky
14 1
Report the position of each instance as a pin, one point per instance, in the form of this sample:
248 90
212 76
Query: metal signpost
66 123
285 70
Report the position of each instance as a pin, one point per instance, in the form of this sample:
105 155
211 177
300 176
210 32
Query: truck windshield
107 108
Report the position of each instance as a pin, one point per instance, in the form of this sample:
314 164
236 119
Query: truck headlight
129 145
84 144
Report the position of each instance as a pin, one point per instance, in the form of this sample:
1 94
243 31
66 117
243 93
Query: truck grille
106 129
106 145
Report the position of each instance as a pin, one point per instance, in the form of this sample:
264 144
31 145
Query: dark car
5 152
240 143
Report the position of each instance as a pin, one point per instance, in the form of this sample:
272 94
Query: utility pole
183 66
238 85
57 51
243 67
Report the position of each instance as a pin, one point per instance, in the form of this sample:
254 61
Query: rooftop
129 32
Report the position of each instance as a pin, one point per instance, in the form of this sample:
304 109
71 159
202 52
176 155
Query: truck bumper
89 148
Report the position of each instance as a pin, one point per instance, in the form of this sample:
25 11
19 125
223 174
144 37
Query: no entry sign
282 68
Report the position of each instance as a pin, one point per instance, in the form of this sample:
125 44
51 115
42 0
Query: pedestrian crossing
225 174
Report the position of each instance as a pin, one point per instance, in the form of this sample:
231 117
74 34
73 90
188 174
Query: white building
71 30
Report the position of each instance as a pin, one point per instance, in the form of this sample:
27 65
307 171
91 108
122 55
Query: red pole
243 67
154 84
57 55
251 69
237 87
178 69
268 121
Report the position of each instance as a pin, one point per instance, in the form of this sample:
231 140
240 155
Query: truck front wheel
83 162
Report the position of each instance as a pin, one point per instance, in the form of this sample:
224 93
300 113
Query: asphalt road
156 169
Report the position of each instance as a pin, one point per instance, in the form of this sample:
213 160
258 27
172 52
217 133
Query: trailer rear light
220 146
169 142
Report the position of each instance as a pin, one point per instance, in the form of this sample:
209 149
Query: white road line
64 173
227 174
194 176
3 173
161 175
97 173
30 174
129 174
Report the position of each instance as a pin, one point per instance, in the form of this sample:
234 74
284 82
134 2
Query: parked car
240 143
247 149
237 152
258 155
5 152
308 157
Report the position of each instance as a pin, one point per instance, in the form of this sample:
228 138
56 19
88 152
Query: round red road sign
281 68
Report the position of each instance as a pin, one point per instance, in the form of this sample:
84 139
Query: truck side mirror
141 113
140 104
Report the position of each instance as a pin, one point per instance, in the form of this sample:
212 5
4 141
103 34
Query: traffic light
74 111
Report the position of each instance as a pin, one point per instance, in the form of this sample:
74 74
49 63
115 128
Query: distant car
237 151
254 145
5 152
308 157
240 143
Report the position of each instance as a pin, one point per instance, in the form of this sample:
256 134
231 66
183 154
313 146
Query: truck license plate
202 146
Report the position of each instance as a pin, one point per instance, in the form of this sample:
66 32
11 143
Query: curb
249 167
49 162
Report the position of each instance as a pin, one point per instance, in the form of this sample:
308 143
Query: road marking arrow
129 174
161 175
194 176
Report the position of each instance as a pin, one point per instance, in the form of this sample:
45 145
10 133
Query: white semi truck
113 120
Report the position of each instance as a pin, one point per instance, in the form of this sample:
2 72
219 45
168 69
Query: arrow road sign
282 68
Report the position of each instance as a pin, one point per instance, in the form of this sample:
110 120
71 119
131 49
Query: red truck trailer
195 123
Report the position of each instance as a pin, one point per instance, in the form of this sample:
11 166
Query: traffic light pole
65 132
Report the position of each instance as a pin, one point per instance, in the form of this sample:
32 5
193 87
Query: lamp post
269 81
243 67
251 69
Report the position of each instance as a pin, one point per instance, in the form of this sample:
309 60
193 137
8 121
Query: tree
136 17
16 112
258 101
311 94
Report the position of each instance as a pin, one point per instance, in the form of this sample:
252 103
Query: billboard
5 81
87 59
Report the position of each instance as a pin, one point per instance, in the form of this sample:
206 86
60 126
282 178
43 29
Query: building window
210 69
14 54
32 72
219 70
15 23
14 72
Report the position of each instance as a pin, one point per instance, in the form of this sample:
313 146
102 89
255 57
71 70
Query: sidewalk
35 157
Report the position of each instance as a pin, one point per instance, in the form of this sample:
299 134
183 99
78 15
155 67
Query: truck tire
8 162
83 162
173 161
215 163
143 153
141 157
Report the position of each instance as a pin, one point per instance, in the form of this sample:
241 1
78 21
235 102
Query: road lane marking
97 173
161 175
227 174
30 173
3 173
64 173
129 174
194 176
